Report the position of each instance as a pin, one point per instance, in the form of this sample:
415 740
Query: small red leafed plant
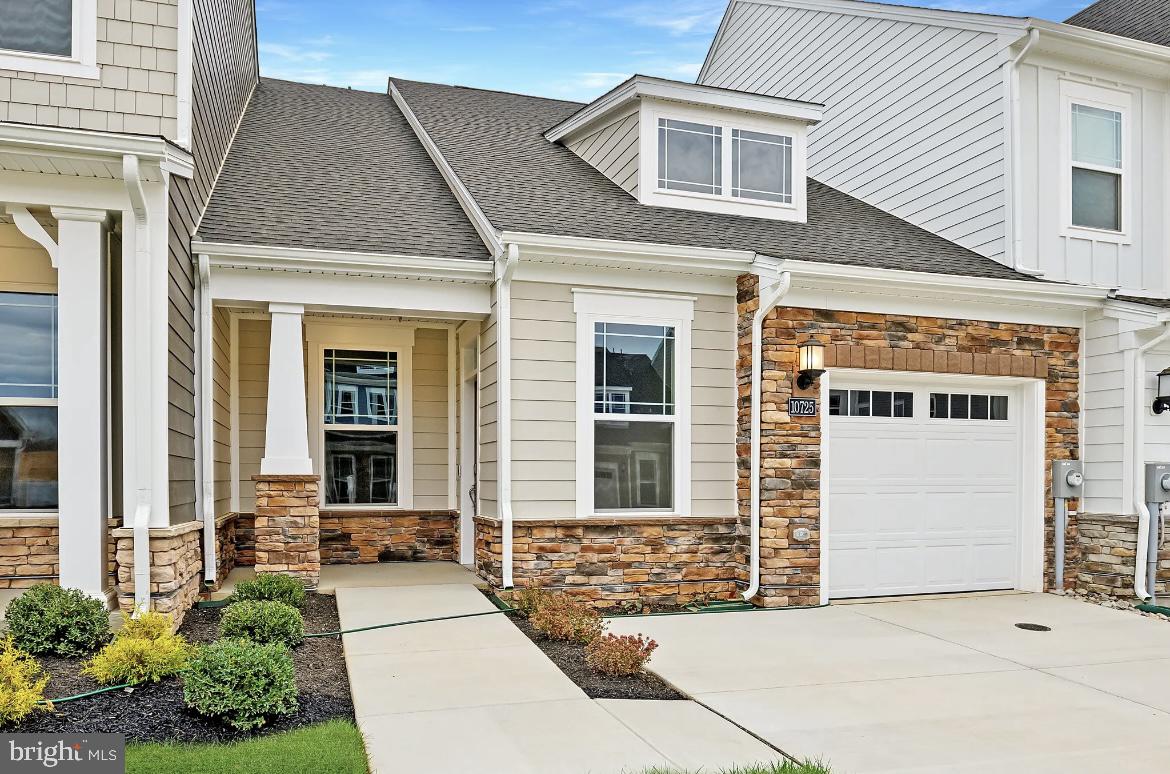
613 654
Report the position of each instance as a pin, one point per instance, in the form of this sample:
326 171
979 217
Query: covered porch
340 407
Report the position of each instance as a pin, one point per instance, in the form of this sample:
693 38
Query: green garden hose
83 695
404 623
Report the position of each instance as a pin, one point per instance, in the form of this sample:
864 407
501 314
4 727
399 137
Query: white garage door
924 484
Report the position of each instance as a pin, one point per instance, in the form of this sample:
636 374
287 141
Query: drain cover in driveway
1031 627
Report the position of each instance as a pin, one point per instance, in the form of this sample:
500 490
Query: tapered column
286 431
81 434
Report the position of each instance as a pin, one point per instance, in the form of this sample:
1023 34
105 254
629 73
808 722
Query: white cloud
680 18
293 53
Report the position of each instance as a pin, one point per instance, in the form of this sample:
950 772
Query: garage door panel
923 504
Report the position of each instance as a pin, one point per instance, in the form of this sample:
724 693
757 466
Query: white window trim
83 62
1076 93
594 306
322 334
650 194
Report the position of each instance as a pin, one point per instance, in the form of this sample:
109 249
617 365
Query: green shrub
50 619
611 654
530 599
22 683
271 587
241 683
561 618
263 622
145 650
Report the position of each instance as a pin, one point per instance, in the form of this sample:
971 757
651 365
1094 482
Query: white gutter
1014 134
506 267
1139 461
204 448
141 439
769 297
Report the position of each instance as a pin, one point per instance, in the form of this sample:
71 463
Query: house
1040 145
628 349
114 120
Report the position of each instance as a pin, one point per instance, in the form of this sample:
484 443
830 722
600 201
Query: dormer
693 147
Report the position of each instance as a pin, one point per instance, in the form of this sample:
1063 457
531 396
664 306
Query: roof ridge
489 91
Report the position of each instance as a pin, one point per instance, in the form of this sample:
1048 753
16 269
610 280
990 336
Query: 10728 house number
802 407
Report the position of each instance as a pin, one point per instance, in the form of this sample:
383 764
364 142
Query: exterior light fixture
1162 402
811 359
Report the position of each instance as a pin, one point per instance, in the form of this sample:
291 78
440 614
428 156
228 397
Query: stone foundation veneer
790 446
28 546
287 526
609 561
176 568
1108 552
366 536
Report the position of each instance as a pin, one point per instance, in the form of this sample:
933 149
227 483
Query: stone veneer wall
287 527
176 568
790 449
359 537
28 546
1108 546
609 561
225 547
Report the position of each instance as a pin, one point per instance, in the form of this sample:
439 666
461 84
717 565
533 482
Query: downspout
1012 80
505 267
769 297
1139 462
204 448
143 496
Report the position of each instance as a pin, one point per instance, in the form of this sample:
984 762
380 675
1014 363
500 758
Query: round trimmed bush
263 621
271 587
50 619
241 683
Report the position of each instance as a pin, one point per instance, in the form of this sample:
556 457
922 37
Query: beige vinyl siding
24 265
430 419
253 385
488 412
544 403
613 151
221 459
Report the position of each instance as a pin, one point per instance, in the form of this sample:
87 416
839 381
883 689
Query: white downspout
769 297
204 448
506 267
141 440
1016 168
1139 461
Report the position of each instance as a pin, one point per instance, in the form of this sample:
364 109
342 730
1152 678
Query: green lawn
330 748
787 767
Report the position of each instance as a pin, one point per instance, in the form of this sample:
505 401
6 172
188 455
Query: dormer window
690 157
761 166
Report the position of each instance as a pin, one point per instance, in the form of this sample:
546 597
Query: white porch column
82 399
286 430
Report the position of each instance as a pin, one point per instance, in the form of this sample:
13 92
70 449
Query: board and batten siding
544 428
613 151
914 112
1136 265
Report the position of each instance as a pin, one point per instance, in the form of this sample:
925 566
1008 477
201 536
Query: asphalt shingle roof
494 141
1147 20
322 167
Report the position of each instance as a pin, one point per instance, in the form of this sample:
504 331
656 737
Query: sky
569 49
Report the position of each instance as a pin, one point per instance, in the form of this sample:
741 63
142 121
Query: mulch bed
156 712
570 658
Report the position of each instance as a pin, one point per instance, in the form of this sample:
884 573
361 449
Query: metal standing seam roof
1146 20
494 142
327 168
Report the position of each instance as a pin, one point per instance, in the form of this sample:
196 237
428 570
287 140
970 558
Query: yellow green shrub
22 683
144 650
147 625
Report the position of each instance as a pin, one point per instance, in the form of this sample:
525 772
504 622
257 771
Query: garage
924 484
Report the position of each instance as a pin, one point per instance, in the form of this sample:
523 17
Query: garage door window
871 403
967 406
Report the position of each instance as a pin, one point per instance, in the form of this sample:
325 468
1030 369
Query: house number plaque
802 407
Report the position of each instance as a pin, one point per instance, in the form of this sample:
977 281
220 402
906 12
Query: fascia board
1115 44
297 259
104 146
618 253
479 219
979 22
1135 312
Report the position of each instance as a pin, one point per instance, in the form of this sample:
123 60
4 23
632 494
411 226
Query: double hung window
1097 167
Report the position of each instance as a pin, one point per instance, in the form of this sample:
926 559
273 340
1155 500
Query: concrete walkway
941 685
475 695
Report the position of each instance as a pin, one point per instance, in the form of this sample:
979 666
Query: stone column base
288 530
176 568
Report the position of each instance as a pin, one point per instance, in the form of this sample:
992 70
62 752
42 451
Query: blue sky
572 49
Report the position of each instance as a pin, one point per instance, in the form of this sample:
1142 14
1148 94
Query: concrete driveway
939 685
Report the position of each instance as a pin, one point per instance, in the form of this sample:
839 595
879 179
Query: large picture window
28 401
361 427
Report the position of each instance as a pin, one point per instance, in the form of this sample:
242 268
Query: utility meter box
1068 478
1157 482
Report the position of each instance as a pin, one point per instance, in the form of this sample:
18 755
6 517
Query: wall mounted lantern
1162 402
811 359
